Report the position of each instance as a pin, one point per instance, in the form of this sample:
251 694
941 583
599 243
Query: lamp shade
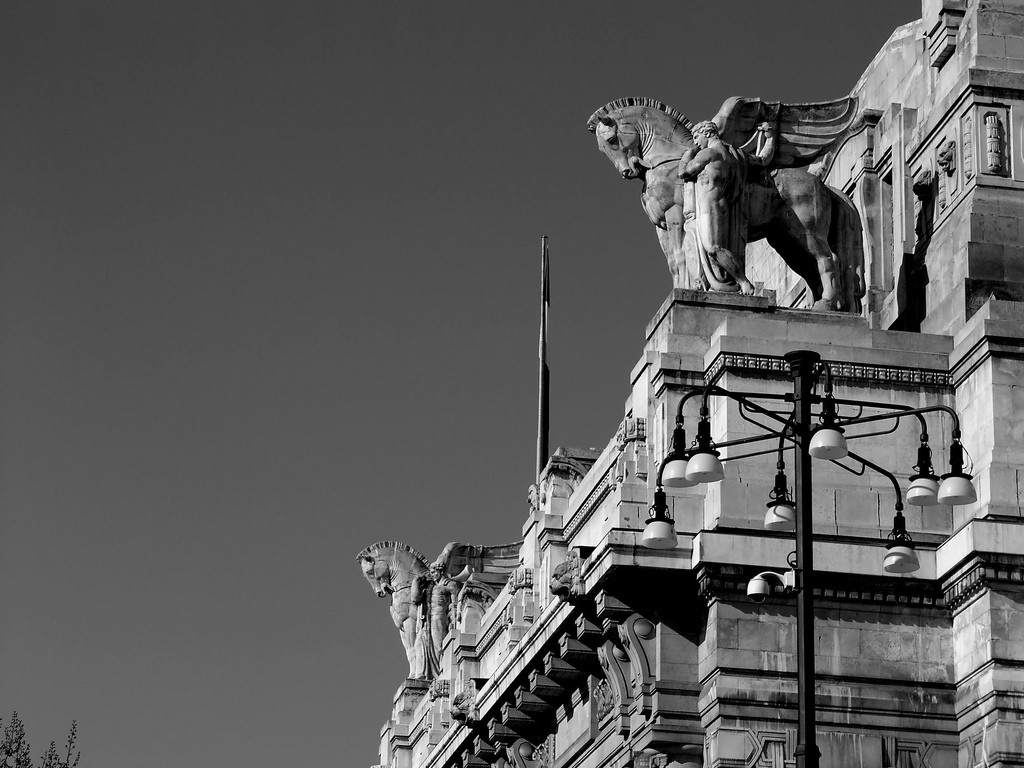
923 490
781 516
827 443
659 534
673 475
900 558
704 467
957 489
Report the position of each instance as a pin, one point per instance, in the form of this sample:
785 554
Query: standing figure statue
718 171
712 188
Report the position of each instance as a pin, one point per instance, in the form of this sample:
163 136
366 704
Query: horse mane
636 101
367 552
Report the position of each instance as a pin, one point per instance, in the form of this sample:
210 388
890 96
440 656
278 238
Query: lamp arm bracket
899 412
879 470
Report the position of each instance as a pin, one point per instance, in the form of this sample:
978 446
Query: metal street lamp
827 440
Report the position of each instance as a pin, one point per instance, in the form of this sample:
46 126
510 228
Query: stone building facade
585 649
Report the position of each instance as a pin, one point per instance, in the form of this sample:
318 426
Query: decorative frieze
729 582
858 372
586 509
981 573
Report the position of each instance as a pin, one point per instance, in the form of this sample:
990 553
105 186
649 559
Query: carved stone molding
995 143
637 636
984 572
650 758
729 582
604 700
544 754
943 35
586 509
520 578
440 688
610 609
631 429
521 754
967 142
615 663
853 372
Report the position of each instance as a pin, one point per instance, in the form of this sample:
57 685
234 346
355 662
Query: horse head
620 143
378 573
638 133
390 566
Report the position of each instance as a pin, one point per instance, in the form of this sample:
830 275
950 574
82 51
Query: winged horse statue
712 188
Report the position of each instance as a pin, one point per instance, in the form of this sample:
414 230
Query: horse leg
673 242
831 278
782 235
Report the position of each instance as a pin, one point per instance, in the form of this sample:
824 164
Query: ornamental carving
440 688
463 705
603 699
566 581
967 137
945 157
994 143
651 758
615 663
521 754
520 578
637 637
544 754
631 429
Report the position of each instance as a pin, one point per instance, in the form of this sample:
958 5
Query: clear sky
268 294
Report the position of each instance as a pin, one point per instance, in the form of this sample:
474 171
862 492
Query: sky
269 286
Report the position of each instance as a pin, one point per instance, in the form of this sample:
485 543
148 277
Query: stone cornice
980 572
986 347
555 615
582 514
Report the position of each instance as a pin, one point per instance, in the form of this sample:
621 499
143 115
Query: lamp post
685 466
801 365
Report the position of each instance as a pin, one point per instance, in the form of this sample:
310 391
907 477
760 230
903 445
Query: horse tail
846 239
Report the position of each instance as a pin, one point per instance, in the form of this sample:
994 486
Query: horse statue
740 180
397 570
426 597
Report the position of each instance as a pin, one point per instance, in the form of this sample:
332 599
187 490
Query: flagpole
544 383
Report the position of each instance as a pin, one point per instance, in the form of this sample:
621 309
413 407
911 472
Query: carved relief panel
986 141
